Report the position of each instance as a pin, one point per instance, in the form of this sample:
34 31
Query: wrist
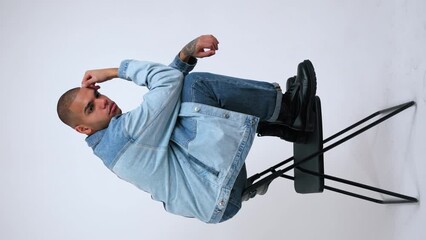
184 57
112 73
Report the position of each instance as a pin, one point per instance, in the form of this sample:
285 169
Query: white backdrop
367 54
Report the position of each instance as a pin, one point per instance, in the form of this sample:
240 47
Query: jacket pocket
202 168
185 131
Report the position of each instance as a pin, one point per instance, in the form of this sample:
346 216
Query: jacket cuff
182 66
123 69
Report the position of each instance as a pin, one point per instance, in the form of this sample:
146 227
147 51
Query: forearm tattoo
189 49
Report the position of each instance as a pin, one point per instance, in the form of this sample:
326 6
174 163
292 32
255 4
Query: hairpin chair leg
257 186
401 198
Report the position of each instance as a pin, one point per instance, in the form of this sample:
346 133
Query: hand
92 77
203 46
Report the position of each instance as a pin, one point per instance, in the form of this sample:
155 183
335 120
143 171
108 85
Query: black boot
296 107
281 131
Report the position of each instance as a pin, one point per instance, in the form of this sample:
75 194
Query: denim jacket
186 155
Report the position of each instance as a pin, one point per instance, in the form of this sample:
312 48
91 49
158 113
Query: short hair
63 107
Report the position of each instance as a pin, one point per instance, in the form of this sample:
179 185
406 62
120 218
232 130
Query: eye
90 108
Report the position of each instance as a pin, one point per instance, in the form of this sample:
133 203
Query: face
93 110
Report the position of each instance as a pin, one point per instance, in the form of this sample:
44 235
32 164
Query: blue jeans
251 97
260 99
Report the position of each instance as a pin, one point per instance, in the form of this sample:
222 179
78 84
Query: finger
206 53
211 52
87 75
215 42
215 46
207 41
89 79
86 79
94 87
86 83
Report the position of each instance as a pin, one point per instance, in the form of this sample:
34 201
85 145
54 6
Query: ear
83 129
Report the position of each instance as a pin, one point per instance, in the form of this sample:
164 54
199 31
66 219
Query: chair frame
259 183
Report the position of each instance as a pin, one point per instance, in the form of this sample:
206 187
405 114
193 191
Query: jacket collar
95 138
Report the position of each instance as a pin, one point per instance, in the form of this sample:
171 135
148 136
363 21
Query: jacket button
197 109
226 115
222 203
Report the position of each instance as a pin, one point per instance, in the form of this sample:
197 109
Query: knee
197 78
191 78
188 84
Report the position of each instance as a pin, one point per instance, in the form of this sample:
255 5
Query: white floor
368 55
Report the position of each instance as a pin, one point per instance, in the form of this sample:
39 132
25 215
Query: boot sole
310 121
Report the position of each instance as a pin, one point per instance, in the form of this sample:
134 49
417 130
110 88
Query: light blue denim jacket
186 155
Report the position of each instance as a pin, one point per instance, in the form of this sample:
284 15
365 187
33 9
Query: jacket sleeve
184 67
155 118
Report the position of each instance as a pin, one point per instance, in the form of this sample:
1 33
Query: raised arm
91 77
203 46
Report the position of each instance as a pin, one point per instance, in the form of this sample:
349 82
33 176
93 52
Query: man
187 141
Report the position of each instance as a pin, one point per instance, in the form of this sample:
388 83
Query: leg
292 110
278 130
260 99
235 199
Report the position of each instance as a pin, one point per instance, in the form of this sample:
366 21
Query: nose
102 103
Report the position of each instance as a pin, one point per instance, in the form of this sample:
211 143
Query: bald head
86 110
63 107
